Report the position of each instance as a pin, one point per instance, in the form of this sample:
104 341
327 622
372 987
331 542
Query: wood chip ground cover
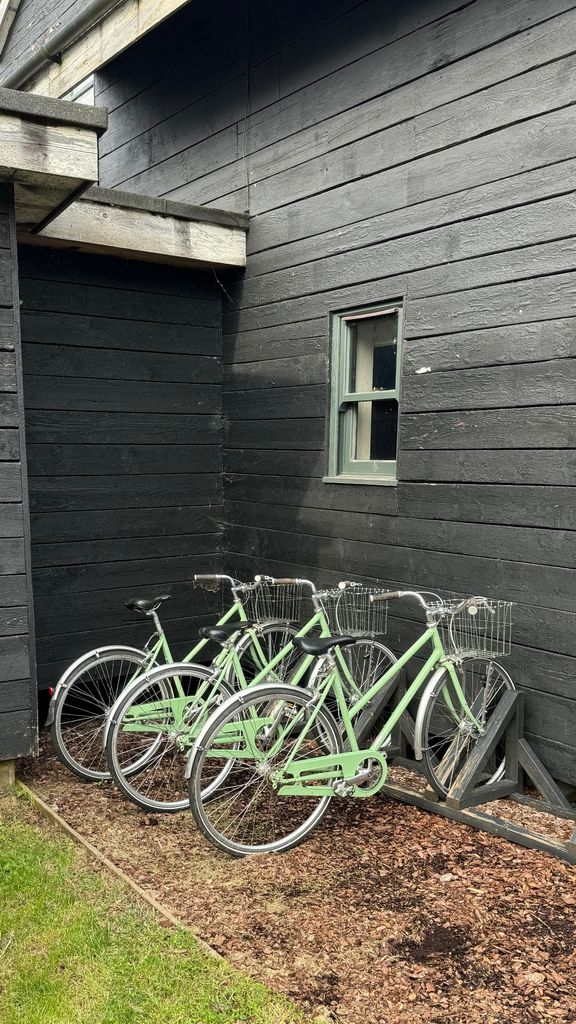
387 914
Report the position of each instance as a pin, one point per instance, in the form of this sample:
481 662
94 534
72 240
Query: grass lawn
77 948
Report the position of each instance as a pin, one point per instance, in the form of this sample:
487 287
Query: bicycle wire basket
478 630
351 611
273 602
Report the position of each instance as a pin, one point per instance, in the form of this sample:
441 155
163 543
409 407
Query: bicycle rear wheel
246 814
150 734
81 708
448 737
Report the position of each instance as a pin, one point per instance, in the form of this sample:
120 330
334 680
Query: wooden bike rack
467 792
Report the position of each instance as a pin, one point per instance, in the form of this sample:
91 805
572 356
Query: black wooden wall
122 368
18 718
424 150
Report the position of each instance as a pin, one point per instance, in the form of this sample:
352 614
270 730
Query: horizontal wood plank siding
123 408
426 153
18 715
35 21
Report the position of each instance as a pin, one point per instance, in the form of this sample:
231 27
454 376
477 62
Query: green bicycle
154 723
80 707
272 758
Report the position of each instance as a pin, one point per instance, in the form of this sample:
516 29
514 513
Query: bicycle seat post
155 618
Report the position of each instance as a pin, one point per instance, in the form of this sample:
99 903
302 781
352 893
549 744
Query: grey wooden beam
486 823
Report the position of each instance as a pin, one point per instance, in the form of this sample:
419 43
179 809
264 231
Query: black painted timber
385 157
425 153
123 409
18 714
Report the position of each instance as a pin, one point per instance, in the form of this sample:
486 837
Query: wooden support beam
8 11
48 150
541 777
146 229
122 27
7 775
486 823
507 721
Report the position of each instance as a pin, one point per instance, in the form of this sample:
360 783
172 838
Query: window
82 93
365 391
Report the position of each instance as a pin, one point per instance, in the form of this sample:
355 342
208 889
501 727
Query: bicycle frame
160 652
228 658
162 648
330 768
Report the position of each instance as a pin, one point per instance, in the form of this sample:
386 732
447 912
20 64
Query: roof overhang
48 150
138 227
120 28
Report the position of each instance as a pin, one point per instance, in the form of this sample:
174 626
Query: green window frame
365 372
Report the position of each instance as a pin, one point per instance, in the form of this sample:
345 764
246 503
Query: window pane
373 353
376 430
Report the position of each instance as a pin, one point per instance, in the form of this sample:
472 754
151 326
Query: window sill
375 482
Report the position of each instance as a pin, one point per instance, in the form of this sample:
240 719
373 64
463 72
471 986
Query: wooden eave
48 150
138 227
120 28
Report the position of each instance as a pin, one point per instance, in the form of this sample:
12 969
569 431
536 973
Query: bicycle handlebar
390 595
212 576
277 582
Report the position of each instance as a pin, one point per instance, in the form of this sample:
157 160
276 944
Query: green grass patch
77 946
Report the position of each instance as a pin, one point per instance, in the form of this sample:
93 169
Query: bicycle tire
368 659
268 696
153 777
446 743
81 707
272 637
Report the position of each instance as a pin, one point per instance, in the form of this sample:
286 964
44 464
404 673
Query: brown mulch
387 915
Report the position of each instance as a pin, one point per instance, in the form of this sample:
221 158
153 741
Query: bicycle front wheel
82 706
257 648
448 735
152 729
246 814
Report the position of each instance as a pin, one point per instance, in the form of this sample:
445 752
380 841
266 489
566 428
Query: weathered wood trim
104 41
8 11
25 495
49 154
142 234
47 149
154 204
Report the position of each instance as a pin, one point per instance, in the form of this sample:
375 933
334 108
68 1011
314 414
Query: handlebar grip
386 595
206 576
283 582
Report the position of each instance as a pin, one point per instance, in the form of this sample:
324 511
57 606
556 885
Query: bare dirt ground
387 915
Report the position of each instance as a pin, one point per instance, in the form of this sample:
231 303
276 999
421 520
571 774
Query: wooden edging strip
51 815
